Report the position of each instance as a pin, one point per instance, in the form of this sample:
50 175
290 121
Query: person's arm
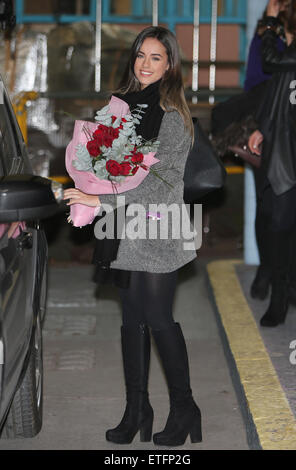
272 59
254 72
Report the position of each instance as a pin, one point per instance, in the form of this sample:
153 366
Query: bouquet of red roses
113 150
108 156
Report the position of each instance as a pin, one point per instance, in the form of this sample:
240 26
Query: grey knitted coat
160 252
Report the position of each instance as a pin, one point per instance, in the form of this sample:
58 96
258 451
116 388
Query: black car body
24 200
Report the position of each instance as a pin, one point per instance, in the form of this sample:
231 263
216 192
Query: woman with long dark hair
145 270
276 117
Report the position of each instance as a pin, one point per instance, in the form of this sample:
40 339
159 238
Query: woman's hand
12 228
273 8
76 196
255 140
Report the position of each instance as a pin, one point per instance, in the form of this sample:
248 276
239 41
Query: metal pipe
195 67
251 254
79 7
98 46
213 51
155 13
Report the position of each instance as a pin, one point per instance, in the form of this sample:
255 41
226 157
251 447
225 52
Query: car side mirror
28 197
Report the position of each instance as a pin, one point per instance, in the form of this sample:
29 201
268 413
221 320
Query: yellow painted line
271 413
234 170
61 179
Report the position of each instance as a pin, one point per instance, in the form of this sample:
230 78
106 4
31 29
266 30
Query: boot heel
195 432
146 430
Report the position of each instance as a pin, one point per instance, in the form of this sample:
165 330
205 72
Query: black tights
275 227
149 299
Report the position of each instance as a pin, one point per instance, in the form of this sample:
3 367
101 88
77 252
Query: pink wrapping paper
87 182
17 231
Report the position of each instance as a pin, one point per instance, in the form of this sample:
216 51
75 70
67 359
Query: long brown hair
288 16
172 96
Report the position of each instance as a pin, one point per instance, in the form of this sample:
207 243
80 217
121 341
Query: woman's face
151 62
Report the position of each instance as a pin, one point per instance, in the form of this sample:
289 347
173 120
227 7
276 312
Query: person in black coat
255 83
232 124
276 118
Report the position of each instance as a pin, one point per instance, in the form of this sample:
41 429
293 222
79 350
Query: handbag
204 171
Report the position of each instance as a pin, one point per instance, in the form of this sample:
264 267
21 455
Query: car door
17 261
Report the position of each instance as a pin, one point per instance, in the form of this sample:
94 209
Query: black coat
276 116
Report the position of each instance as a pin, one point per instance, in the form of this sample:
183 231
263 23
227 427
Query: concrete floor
278 341
84 387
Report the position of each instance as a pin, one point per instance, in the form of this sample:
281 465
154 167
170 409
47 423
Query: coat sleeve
272 59
172 154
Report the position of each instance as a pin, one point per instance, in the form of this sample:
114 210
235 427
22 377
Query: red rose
93 148
122 120
137 157
113 167
125 168
134 170
98 136
105 135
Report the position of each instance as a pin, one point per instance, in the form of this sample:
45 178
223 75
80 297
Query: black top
276 114
150 123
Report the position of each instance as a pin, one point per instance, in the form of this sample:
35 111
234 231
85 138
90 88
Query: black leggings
278 211
275 229
149 299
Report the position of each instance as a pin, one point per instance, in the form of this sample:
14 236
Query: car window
10 156
8 233
3 244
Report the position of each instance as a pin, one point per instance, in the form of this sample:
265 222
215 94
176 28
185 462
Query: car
25 200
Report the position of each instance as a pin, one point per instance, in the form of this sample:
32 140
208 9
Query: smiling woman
151 62
146 270
155 55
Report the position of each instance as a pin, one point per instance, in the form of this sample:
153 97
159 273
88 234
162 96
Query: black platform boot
279 303
138 415
184 417
261 283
